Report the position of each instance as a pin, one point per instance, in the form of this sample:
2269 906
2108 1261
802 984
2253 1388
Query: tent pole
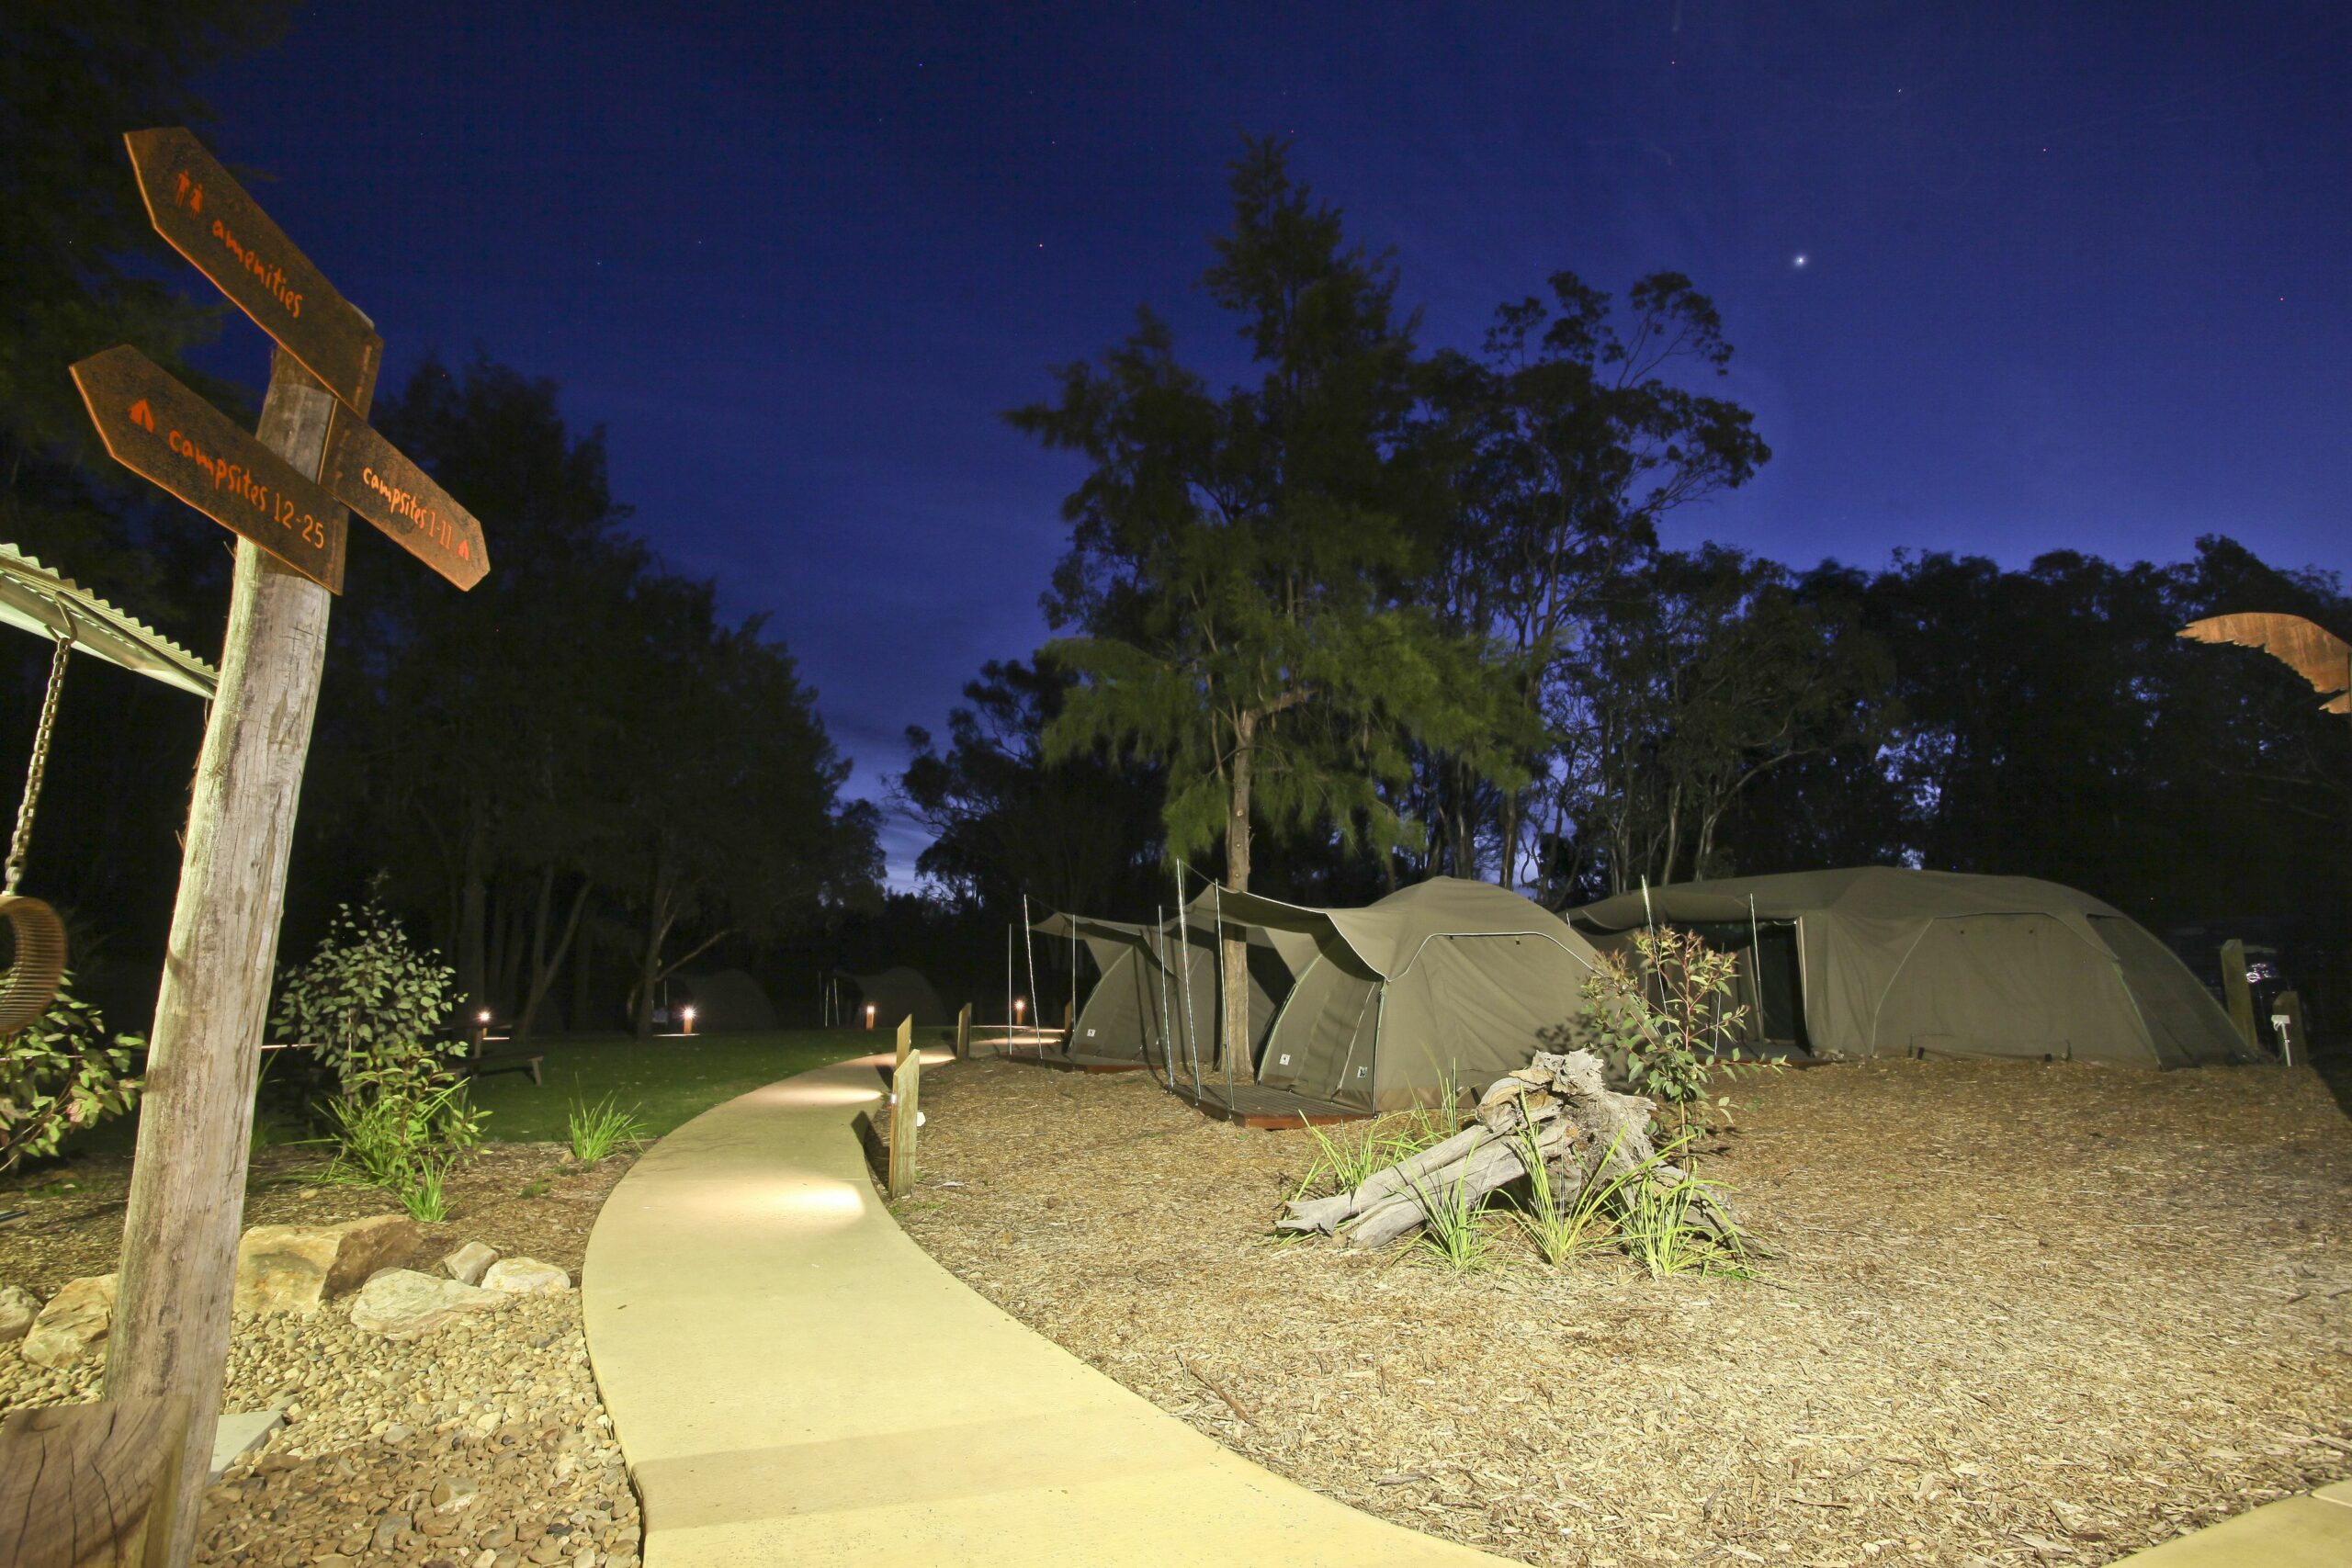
1160 980
1029 944
1224 995
1008 987
1191 1038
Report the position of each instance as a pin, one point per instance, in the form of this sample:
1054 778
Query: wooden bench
486 1066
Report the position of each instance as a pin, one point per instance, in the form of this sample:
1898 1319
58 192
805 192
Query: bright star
1800 259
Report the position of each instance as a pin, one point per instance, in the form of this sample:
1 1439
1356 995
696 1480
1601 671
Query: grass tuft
597 1129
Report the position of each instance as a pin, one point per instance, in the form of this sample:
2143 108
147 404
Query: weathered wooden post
906 1038
2235 988
284 494
964 1033
906 1089
91 1486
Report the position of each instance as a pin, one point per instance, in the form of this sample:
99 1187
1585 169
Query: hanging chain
23 840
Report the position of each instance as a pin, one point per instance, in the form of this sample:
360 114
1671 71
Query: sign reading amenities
210 220
368 474
157 428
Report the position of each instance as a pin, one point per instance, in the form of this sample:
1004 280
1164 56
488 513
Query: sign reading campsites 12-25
160 430
156 427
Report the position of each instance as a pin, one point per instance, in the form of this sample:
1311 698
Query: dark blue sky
2073 276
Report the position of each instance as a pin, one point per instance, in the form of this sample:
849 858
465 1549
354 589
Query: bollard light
869 1015
688 1014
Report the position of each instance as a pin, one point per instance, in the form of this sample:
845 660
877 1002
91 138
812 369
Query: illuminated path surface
794 1382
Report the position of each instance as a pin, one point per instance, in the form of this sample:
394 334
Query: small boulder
465 1264
18 1307
73 1324
525 1277
293 1268
403 1304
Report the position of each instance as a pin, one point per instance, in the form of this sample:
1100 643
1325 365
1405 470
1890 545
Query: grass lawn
668 1079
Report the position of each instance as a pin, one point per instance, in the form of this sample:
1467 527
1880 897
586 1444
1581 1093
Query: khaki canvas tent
1446 984
1877 961
1155 996
900 992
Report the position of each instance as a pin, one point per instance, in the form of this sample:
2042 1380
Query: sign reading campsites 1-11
368 474
156 427
209 219
160 430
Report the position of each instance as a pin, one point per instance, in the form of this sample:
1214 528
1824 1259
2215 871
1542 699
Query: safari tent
1155 981
1875 961
900 992
1448 983
730 1000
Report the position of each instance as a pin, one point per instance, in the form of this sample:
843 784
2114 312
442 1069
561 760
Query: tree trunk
648 961
170 1335
583 961
544 964
473 912
1236 950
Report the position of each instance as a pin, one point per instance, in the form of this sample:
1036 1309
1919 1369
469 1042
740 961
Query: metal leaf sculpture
2311 652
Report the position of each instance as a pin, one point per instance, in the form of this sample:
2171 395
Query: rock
467 1263
403 1304
18 1307
525 1277
293 1268
75 1322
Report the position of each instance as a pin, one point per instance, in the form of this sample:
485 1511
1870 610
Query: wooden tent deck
1080 1063
1264 1110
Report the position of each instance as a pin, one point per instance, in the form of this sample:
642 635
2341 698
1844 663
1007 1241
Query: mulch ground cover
2018 1315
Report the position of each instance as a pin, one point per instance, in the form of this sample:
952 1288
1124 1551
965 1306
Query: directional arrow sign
210 220
155 427
368 474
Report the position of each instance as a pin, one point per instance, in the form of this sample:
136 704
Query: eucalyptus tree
1562 447
1236 576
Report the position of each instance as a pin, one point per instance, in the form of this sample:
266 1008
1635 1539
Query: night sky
2001 280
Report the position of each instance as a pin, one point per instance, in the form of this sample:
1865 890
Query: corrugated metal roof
49 604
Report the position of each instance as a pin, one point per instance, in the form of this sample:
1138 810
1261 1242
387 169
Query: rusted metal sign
368 474
209 219
2308 649
157 428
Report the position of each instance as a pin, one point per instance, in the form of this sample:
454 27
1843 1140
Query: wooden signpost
161 431
283 492
209 219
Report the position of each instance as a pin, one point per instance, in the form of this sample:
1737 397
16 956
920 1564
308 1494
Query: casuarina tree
1234 583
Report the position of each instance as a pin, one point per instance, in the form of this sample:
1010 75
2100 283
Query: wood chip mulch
2022 1314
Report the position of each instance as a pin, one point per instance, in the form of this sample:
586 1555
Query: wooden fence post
2239 994
906 1089
92 1484
187 1178
964 1033
906 1038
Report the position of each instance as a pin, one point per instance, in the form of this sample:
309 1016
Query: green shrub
59 1074
1661 1019
372 1007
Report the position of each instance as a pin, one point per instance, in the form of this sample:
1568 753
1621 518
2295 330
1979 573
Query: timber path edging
794 1381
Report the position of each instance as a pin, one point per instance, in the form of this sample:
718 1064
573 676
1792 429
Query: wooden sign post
906 1116
964 1033
906 1037
170 1335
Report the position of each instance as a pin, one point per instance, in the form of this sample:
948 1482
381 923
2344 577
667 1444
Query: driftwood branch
1586 1132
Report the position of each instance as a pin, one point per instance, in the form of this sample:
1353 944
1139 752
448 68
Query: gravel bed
2022 1314
482 1444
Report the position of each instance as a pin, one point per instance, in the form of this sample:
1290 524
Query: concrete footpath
794 1382
2311 1529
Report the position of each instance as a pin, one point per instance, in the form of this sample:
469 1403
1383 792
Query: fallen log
1581 1128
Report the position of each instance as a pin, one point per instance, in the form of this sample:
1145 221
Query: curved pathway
794 1382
